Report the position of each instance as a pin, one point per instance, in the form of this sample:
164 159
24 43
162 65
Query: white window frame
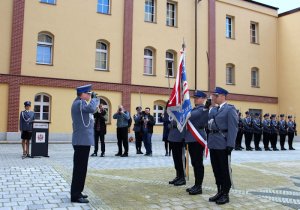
151 58
255 81
47 2
229 27
47 44
254 32
156 113
102 51
170 60
42 104
169 12
150 17
230 74
102 6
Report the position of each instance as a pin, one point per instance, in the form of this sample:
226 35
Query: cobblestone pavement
263 180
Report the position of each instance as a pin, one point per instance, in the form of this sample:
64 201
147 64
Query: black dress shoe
237 149
291 148
283 148
275 149
248 149
102 154
124 155
174 180
94 155
118 154
84 196
180 181
268 149
257 149
223 199
190 188
197 190
80 200
242 147
215 197
166 154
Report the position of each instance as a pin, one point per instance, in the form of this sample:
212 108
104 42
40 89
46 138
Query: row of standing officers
268 128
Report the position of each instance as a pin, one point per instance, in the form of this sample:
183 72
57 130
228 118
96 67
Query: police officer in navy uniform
274 132
239 136
176 140
248 131
266 131
223 127
257 131
26 120
291 131
199 119
82 138
282 127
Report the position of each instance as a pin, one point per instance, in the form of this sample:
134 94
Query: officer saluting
223 126
82 138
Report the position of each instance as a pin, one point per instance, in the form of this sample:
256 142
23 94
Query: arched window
148 61
44 49
102 55
170 63
107 107
254 77
42 107
230 74
158 110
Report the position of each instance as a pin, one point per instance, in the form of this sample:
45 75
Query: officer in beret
266 131
26 120
248 131
257 131
282 127
291 131
82 138
199 119
274 132
223 127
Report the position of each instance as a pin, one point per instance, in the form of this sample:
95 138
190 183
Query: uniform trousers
80 163
273 138
248 139
257 137
196 153
98 134
282 140
239 137
177 153
219 163
138 140
266 139
122 136
290 140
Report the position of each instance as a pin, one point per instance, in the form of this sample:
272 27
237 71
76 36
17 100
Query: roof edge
261 4
289 12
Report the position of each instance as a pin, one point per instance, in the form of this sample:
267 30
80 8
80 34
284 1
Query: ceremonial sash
197 136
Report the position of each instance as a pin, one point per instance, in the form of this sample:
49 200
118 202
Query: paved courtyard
263 180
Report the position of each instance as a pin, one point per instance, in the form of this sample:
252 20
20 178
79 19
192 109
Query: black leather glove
207 103
229 150
94 95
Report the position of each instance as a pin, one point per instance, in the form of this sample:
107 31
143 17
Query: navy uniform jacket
247 123
266 126
227 120
174 134
83 121
26 119
282 126
257 126
273 127
291 127
199 118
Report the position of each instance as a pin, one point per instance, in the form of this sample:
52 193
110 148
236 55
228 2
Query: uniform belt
217 131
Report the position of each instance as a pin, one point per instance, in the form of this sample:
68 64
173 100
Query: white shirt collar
222 104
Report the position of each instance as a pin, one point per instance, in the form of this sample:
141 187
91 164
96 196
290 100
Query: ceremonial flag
179 106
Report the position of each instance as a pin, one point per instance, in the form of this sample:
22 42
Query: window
106 106
158 110
229 27
254 77
101 56
44 49
230 74
48 1
170 64
42 107
148 61
254 32
150 10
171 14
103 6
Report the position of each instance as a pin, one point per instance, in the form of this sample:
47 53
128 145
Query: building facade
129 50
